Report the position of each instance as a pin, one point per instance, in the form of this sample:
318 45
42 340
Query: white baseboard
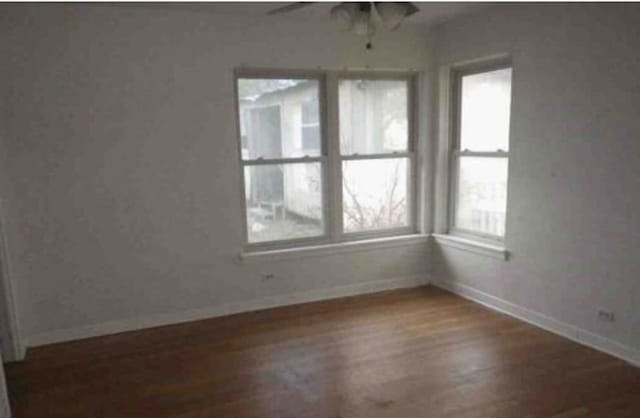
17 354
114 327
20 353
579 335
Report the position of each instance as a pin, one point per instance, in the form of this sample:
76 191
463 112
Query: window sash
412 105
455 185
357 156
289 242
412 185
292 74
331 158
275 161
492 154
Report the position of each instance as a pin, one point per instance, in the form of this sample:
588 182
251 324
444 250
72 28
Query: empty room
319 210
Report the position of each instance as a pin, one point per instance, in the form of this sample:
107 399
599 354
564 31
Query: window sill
332 249
465 244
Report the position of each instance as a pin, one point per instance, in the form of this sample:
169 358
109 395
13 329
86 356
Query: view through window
374 144
285 157
281 144
481 154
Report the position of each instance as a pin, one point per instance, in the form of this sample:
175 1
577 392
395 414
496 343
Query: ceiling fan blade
411 9
290 7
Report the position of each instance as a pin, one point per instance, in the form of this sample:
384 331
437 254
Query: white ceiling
430 12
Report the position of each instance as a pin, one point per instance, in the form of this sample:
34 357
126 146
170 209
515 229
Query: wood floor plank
409 353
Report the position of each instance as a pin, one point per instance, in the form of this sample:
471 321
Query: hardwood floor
408 353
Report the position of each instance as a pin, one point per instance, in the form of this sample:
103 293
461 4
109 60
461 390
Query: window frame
322 159
455 153
330 156
410 154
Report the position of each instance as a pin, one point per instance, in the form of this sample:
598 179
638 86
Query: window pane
374 194
310 128
482 195
486 101
283 201
373 116
279 118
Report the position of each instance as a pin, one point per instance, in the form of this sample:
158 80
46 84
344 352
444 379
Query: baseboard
17 354
20 353
579 335
114 327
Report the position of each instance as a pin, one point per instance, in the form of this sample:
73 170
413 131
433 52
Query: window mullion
334 162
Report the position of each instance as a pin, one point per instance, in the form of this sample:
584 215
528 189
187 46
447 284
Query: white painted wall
121 146
574 187
120 142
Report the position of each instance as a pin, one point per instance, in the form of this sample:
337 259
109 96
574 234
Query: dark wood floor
409 353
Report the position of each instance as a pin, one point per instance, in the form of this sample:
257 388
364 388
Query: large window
480 155
326 157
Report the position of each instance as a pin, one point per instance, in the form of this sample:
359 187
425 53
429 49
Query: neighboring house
283 123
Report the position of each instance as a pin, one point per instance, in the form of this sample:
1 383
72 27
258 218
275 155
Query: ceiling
430 12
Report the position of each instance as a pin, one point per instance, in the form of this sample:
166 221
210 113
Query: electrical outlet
268 276
606 316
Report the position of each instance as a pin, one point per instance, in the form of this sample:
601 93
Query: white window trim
331 162
249 257
472 245
322 158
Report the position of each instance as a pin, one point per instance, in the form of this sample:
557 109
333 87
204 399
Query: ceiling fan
360 17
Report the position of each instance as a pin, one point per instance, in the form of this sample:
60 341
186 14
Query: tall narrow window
376 152
480 155
282 158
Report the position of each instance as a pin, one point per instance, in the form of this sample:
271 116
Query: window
480 154
374 147
281 158
302 186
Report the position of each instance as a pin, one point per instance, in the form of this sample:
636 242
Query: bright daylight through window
481 152
374 144
302 187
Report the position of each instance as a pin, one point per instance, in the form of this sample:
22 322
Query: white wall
121 144
574 186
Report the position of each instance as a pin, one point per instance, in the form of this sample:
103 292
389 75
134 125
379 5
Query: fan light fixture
358 18
392 14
